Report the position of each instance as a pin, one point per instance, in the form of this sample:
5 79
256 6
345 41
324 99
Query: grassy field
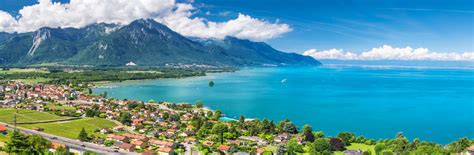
71 129
358 146
58 106
6 115
34 80
24 70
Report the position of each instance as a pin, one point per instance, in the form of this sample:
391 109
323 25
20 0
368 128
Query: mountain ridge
144 42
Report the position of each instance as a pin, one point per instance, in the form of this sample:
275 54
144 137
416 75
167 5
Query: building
127 147
3 129
165 151
470 150
224 148
353 152
161 143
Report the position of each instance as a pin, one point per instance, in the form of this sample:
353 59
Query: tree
287 126
83 136
318 134
308 133
320 145
219 130
268 127
379 148
281 150
17 144
336 144
241 121
217 114
292 147
458 146
87 152
62 151
38 144
400 144
126 118
199 104
346 137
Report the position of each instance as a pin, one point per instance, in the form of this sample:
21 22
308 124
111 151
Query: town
74 120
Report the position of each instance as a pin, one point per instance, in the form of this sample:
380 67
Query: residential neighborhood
167 128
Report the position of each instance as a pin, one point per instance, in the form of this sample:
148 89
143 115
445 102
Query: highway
72 144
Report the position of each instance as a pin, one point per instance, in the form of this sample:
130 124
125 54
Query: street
72 144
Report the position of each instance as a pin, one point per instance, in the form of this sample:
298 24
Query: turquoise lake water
377 102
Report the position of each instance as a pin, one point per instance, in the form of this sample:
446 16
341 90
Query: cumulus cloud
387 52
177 16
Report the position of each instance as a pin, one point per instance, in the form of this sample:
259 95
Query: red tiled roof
165 149
260 150
224 148
3 128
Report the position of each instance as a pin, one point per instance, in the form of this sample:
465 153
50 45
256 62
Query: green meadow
71 129
6 115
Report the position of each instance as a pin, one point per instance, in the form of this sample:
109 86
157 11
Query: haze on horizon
344 30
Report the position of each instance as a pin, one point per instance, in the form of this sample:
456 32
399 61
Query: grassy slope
6 115
71 129
357 146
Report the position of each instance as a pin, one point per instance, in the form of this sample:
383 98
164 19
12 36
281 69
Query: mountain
143 42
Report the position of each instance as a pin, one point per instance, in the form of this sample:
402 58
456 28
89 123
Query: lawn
357 146
58 106
71 129
6 115
33 80
24 70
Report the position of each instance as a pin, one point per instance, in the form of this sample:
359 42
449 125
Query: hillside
143 42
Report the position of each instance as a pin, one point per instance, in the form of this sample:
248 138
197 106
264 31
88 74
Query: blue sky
358 26
355 26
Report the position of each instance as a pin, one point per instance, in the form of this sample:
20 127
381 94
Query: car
115 150
54 137
83 145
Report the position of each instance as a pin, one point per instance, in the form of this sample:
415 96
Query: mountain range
143 42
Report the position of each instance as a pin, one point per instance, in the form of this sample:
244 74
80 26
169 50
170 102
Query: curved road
73 144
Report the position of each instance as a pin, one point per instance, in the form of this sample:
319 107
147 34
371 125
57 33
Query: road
72 144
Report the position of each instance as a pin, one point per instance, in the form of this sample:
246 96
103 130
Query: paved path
73 144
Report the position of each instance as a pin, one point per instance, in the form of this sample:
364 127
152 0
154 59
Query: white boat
283 81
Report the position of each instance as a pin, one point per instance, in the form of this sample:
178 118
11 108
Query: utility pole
14 121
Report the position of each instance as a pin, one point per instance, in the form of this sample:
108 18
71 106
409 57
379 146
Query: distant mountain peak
144 42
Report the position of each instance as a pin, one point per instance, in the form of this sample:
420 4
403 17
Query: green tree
308 133
459 146
18 143
287 126
126 118
292 147
346 137
83 136
318 134
62 151
379 148
320 145
241 121
199 104
217 114
281 150
219 130
89 153
38 144
400 144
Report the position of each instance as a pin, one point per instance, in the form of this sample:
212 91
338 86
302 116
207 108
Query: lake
434 104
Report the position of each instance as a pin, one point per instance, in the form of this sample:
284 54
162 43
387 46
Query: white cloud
177 16
390 53
7 22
